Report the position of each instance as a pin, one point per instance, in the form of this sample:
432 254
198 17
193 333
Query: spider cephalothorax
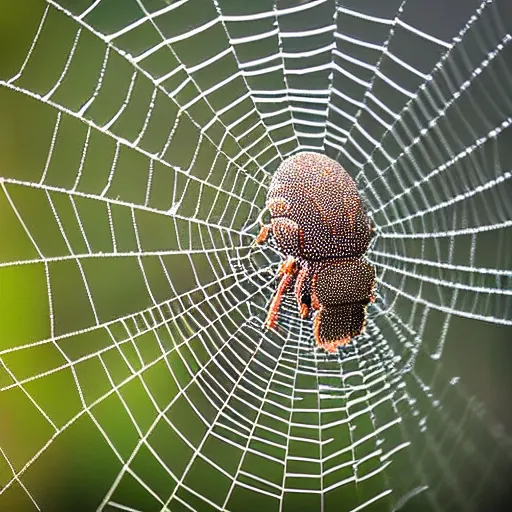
320 224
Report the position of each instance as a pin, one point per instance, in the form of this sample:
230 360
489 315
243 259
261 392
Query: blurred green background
75 331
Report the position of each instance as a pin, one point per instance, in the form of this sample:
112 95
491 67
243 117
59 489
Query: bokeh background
127 208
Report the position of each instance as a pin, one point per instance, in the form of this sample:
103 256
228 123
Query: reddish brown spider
320 224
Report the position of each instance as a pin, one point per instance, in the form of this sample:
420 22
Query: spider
320 225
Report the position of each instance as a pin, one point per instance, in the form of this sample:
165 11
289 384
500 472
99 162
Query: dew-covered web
140 140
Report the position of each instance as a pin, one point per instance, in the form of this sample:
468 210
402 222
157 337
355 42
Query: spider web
138 141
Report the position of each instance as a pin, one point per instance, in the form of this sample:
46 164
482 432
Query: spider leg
304 311
373 228
288 267
265 229
263 234
288 272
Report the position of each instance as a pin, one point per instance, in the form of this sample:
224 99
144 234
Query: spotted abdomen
315 204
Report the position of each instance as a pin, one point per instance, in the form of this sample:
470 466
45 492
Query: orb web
138 141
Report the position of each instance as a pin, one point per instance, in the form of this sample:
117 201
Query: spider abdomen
322 199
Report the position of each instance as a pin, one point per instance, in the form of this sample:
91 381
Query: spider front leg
263 234
265 229
287 270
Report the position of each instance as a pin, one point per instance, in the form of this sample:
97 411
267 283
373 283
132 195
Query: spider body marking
320 224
